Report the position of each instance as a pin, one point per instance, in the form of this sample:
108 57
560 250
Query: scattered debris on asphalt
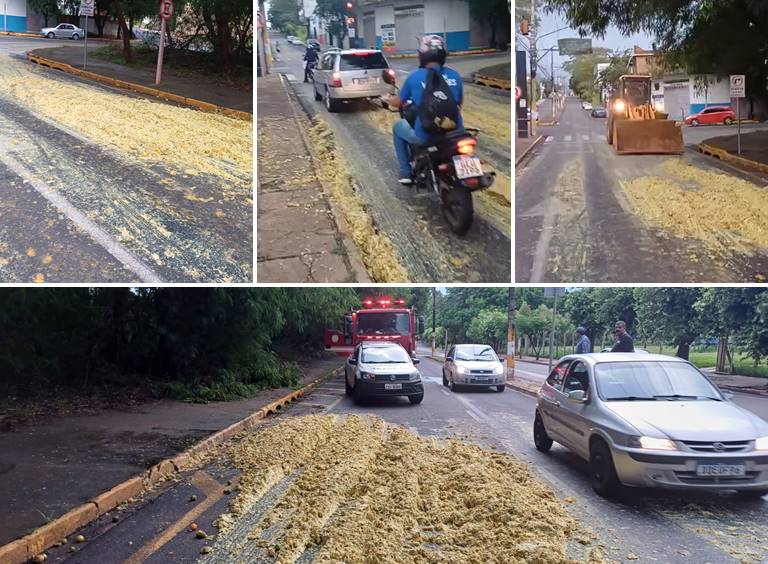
355 489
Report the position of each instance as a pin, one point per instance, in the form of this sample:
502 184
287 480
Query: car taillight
466 146
443 167
336 79
389 76
471 181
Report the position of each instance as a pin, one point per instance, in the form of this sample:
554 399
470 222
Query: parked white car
63 31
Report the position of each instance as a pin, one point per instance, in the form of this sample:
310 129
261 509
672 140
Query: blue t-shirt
414 87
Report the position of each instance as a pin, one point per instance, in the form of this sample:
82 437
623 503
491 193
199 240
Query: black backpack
438 110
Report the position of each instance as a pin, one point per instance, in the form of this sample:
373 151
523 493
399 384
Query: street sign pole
85 50
738 121
159 75
86 9
738 91
552 334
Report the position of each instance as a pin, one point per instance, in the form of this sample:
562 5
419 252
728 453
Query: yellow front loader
635 127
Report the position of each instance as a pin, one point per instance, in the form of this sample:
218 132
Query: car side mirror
353 361
577 395
415 361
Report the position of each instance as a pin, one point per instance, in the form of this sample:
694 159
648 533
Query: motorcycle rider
311 57
432 55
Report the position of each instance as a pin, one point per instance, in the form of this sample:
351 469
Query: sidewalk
299 239
524 146
53 466
204 89
754 149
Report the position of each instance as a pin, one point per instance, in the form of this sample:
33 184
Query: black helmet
432 50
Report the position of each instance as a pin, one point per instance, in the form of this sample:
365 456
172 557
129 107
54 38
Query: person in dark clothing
624 341
310 58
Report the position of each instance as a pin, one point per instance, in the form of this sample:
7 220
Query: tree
495 15
582 69
282 12
47 8
489 327
668 315
689 33
334 12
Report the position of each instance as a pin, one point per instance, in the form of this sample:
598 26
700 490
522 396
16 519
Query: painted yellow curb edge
198 104
450 54
39 540
724 155
493 82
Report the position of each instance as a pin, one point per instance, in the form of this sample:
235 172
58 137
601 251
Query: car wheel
540 438
318 96
357 396
416 400
728 121
347 387
75 36
445 380
51 35
694 122
330 104
501 388
755 494
602 471
453 386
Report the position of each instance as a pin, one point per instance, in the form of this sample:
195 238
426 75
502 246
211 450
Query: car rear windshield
652 380
478 353
385 355
362 61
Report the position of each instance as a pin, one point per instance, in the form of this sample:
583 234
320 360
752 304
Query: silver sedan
63 31
474 366
650 420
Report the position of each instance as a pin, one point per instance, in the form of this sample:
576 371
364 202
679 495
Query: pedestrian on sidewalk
624 341
583 345
310 58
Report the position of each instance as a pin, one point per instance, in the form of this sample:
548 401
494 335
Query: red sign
166 9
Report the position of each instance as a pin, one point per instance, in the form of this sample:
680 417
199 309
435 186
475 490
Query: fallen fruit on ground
79 538
193 527
41 558
356 489
201 534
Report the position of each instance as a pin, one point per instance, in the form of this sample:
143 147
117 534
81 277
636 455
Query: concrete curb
39 540
492 82
724 155
355 260
41 36
513 386
536 142
450 54
197 104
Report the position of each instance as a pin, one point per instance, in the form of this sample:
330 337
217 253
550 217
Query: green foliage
283 13
196 343
48 8
489 327
582 69
495 15
334 12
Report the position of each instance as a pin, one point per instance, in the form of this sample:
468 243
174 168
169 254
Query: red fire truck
381 319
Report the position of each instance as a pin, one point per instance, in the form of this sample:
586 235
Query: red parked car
711 115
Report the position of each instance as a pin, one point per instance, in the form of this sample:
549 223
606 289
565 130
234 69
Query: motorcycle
309 71
449 168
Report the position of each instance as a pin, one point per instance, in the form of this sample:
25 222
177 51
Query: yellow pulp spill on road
377 251
181 138
489 113
366 491
722 211
502 186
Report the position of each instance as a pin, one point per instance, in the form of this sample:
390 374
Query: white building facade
13 15
682 95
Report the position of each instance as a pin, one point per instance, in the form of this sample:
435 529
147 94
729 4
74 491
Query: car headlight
619 106
652 443
370 376
415 376
462 370
499 369
761 443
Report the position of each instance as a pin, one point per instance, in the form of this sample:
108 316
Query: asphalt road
574 222
426 247
655 526
76 210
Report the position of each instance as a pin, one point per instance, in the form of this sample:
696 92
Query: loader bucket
647 137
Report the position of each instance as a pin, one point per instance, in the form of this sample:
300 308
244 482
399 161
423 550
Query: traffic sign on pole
166 9
166 13
738 91
86 8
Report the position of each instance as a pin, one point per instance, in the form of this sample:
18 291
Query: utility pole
534 59
434 301
552 333
511 307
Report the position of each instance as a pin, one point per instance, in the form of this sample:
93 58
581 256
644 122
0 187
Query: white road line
290 77
585 137
334 404
475 417
123 255
567 138
548 139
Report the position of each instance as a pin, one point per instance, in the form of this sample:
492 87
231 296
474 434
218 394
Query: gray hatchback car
475 366
343 75
649 420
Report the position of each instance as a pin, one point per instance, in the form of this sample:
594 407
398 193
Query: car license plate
393 386
467 167
366 81
481 380
720 470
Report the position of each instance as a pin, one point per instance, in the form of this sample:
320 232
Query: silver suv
349 74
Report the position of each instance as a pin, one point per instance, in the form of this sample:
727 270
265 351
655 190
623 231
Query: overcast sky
613 39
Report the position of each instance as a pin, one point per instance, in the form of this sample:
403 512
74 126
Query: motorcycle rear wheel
457 209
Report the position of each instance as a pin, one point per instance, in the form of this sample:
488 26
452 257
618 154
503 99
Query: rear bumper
347 94
377 389
677 470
